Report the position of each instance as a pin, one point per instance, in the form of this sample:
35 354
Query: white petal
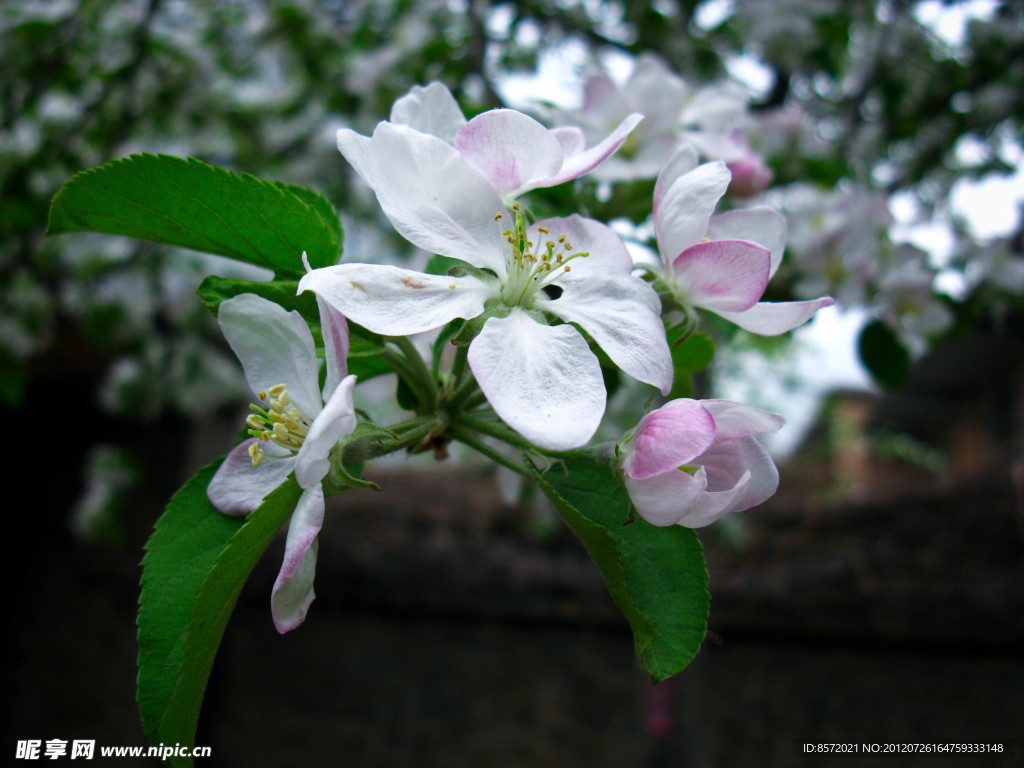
607 253
336 420
714 505
683 160
542 380
429 109
760 224
666 498
767 318
430 193
734 419
238 487
686 208
274 347
623 314
293 589
334 330
394 301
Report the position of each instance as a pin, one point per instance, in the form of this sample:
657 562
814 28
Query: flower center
530 268
281 422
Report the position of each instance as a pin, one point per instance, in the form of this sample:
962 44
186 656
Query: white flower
674 113
542 379
721 263
511 150
294 428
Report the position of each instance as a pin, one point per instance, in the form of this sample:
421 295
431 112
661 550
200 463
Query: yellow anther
498 216
542 229
277 390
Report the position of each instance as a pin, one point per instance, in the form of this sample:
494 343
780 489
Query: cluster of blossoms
713 119
532 300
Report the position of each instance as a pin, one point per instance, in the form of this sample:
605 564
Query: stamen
282 423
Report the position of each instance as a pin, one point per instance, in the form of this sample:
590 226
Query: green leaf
195 565
214 290
656 576
689 357
364 346
884 355
187 203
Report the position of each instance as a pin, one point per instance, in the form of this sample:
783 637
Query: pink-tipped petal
760 224
334 329
542 380
336 420
293 589
395 301
238 487
510 149
722 275
773 318
580 163
669 437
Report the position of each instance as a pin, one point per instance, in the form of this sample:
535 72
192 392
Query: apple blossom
691 462
510 149
721 263
293 428
541 378
708 117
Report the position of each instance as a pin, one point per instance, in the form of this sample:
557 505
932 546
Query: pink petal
722 275
334 330
686 207
759 224
509 148
578 164
293 589
669 437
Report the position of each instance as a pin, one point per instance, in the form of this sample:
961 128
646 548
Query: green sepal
493 307
657 576
370 441
196 563
190 204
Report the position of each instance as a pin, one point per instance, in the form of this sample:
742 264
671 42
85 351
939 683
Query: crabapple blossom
293 428
691 462
511 150
721 263
529 283
674 113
